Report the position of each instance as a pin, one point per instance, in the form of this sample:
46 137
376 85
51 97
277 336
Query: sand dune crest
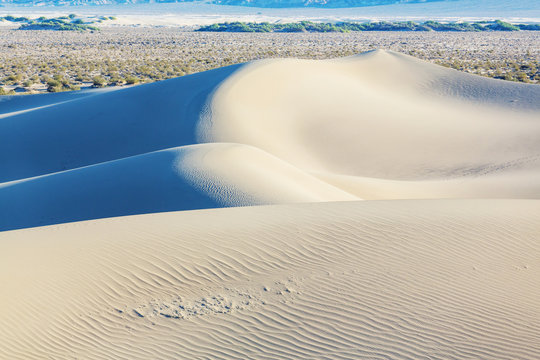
379 125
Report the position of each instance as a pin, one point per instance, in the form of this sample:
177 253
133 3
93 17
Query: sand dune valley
369 207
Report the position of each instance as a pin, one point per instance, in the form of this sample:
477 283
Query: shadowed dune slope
380 125
94 128
184 178
14 104
438 279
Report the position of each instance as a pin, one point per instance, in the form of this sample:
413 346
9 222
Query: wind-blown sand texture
450 273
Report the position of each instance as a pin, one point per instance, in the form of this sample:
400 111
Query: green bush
13 79
502 26
130 80
99 81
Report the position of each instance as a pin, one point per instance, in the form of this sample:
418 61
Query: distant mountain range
316 3
255 3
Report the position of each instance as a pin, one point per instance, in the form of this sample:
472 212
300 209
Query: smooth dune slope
12 105
379 115
380 125
94 128
183 178
437 279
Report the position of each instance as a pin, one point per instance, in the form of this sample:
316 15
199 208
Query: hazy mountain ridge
255 3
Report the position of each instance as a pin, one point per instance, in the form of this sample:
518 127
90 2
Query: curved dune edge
380 125
378 115
445 279
184 178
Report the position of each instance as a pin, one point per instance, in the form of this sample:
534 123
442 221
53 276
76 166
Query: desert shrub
99 81
502 26
508 77
16 19
53 83
130 80
55 89
530 27
523 77
13 79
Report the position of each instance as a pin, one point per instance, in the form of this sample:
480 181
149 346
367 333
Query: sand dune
351 117
183 178
331 278
107 126
379 125
454 279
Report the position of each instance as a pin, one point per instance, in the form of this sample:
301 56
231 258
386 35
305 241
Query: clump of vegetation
308 26
61 23
59 83
99 81
4 92
131 80
15 19
57 27
529 27
502 26
13 79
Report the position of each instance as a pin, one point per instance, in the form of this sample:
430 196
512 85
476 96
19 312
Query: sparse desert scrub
309 26
61 23
126 56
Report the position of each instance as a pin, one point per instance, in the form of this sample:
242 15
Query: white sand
334 277
454 279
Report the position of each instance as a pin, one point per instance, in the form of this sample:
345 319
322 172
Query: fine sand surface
411 279
445 267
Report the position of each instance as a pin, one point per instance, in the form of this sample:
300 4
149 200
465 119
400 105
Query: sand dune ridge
379 125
